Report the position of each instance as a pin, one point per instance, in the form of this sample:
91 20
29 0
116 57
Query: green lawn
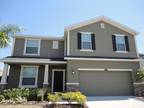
20 106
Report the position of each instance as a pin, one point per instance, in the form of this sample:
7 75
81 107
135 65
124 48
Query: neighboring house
97 57
141 60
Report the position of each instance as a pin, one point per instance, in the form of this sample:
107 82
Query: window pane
120 43
32 50
86 41
32 43
86 37
120 47
29 72
120 39
32 46
28 81
86 45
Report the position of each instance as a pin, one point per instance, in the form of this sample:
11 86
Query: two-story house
97 57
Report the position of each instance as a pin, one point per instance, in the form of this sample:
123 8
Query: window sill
87 50
121 51
31 54
28 86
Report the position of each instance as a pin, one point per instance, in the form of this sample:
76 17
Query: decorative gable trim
105 19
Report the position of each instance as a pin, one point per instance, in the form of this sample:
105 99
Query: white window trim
13 46
117 51
21 77
72 83
39 42
52 83
87 50
82 42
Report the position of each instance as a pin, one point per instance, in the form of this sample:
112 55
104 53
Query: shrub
15 93
24 94
139 75
41 94
74 96
32 95
1 98
53 97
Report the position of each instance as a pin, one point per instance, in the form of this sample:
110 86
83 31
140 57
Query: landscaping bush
32 94
42 93
2 98
18 95
53 97
140 75
74 96
69 96
15 93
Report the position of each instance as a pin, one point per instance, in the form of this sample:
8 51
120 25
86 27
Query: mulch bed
45 104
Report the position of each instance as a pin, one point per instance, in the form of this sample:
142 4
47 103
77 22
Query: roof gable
105 19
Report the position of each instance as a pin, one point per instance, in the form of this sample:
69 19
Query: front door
58 80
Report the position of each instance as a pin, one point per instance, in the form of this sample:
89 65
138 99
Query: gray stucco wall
45 49
74 65
103 41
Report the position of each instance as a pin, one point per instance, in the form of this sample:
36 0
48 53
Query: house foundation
139 89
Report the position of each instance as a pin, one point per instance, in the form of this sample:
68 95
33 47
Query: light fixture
73 72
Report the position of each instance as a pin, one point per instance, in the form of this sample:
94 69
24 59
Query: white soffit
101 59
30 60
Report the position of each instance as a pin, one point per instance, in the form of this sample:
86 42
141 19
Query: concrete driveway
114 102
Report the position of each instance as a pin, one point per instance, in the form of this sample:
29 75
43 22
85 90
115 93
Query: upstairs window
55 45
120 43
86 41
32 47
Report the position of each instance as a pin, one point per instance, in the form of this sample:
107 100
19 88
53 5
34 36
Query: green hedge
25 94
68 96
20 95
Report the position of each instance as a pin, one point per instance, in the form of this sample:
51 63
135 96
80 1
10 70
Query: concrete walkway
114 102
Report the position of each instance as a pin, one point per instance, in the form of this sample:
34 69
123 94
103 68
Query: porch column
4 77
46 73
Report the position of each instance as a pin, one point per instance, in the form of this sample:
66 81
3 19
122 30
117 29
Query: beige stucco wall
103 39
74 65
45 49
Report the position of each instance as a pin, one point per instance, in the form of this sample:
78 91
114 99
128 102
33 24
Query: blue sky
49 17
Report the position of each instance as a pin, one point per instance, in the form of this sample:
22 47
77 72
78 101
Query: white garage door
106 83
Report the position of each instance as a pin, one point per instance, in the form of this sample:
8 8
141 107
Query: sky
49 17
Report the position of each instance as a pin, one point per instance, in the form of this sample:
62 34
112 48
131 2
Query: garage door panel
106 83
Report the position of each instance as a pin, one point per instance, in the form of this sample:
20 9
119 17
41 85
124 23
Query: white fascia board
31 60
111 69
101 59
105 19
90 69
39 37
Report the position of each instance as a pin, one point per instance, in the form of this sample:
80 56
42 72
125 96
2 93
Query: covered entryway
58 80
106 83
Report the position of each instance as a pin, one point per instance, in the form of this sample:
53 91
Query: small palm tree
6 32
